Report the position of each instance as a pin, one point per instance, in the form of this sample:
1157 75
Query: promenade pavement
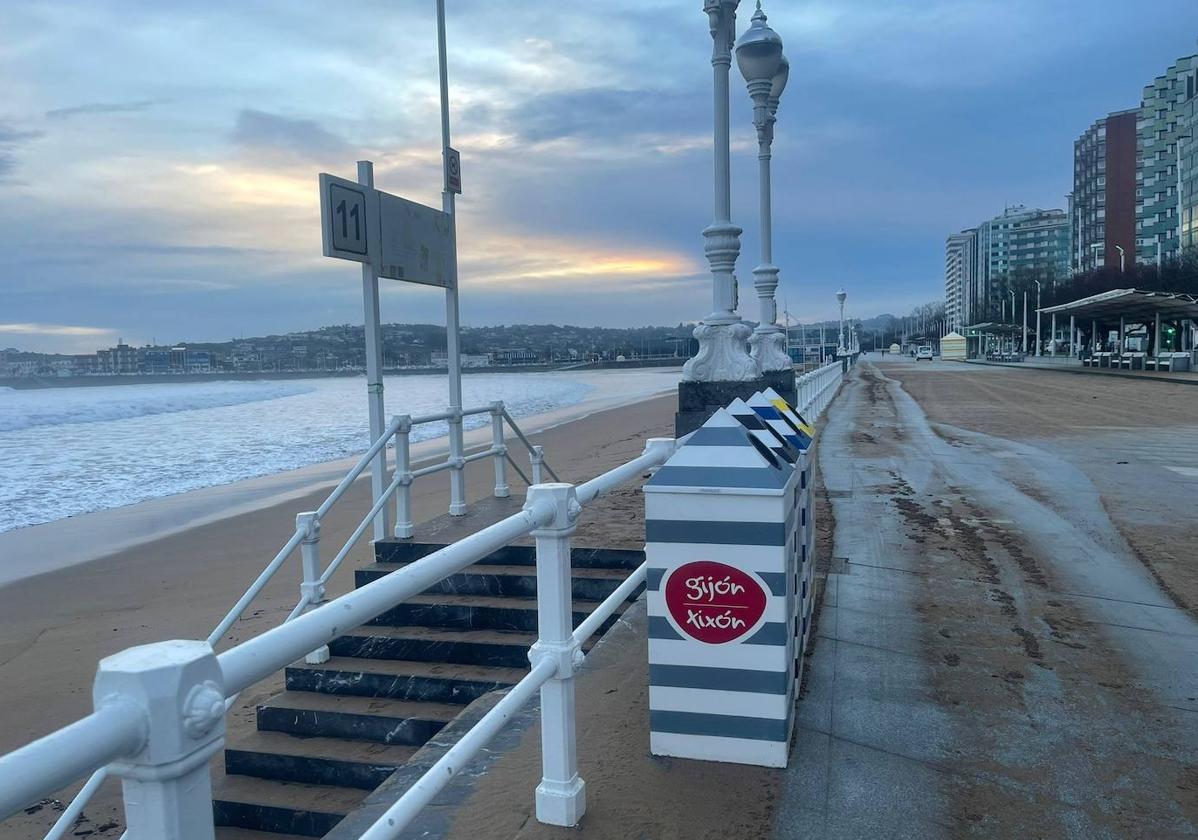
1004 647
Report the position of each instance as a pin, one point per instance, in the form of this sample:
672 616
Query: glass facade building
1164 150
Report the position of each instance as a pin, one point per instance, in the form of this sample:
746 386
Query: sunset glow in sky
158 161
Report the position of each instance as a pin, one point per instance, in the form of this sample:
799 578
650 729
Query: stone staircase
339 729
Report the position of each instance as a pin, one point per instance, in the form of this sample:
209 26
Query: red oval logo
714 603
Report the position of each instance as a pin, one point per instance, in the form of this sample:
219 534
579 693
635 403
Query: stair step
472 612
379 719
280 807
317 761
228 833
436 644
505 581
437 682
405 551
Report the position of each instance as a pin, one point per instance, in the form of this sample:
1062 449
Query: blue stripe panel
771 633
718 436
769 412
660 628
653 578
714 533
765 478
775 581
723 679
727 726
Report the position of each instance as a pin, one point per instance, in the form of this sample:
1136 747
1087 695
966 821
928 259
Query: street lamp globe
759 51
840 296
779 85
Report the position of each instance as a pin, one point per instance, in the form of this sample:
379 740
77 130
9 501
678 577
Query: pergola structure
991 337
1123 307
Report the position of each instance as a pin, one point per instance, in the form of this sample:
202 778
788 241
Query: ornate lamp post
766 70
841 343
722 369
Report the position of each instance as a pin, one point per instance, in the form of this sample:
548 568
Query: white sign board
348 223
403 240
414 243
453 170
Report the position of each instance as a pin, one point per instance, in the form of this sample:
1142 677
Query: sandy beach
173 573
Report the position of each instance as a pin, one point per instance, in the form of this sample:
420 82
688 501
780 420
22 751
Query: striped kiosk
721 522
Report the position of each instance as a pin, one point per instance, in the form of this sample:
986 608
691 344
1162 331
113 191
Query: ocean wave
82 406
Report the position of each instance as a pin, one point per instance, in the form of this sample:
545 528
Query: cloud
299 138
53 329
101 108
10 139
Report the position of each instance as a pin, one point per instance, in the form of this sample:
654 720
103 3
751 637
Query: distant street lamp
722 336
841 342
759 57
1122 258
1039 342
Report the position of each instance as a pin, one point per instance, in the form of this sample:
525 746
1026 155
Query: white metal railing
160 708
306 536
816 389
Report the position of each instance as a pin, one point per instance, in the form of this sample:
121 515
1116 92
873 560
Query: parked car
924 352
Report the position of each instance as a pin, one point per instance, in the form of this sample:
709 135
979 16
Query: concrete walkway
991 659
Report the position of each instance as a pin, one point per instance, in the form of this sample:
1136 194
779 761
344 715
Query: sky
159 161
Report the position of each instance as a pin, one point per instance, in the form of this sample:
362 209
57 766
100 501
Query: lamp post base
699 400
722 355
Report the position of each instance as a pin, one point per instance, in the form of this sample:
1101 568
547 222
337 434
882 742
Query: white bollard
403 469
561 795
502 490
166 785
311 588
536 457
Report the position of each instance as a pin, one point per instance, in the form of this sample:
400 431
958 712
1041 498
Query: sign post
374 352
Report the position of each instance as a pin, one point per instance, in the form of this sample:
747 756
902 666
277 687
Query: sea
67 451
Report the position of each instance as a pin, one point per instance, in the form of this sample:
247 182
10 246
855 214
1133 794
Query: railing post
502 490
537 458
311 589
403 469
561 795
166 785
457 465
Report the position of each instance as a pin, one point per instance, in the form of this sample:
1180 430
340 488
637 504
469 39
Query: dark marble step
472 612
229 833
436 644
505 581
405 551
437 682
378 719
280 807
315 761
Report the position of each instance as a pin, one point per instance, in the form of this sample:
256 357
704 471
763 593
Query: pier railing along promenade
160 709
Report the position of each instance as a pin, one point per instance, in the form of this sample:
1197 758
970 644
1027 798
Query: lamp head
759 50
780 79
841 295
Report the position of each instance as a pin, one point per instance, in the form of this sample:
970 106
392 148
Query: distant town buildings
1103 202
1134 199
341 349
1164 147
980 263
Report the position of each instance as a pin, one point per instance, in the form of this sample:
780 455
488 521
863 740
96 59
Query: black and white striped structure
723 546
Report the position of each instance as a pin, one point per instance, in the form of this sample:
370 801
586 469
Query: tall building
1166 116
960 288
1103 202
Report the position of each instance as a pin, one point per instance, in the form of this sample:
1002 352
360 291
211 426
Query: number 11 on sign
346 212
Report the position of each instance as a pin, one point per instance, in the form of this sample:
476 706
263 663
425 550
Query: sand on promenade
55 627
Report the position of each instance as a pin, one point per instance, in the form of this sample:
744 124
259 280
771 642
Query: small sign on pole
453 170
348 223
401 239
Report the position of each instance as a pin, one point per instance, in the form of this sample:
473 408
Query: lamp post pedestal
722 370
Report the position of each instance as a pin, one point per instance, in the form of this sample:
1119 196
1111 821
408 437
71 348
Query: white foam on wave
72 406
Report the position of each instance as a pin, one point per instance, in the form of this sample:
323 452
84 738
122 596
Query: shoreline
86 537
